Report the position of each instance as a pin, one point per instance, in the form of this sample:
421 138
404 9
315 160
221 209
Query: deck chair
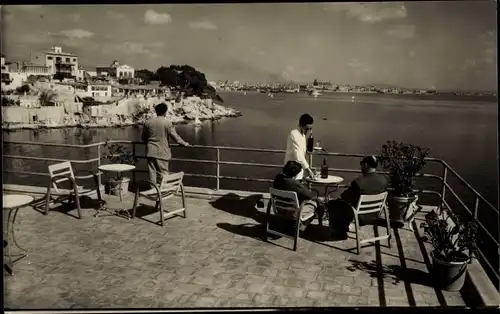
280 203
171 185
371 204
63 172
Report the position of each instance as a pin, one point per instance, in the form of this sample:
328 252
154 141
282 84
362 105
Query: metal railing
445 186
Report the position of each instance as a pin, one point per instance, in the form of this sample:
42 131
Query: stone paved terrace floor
212 258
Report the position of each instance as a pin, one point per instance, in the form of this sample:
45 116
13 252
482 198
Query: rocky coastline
183 115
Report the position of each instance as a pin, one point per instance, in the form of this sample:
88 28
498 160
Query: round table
12 203
331 181
331 185
118 169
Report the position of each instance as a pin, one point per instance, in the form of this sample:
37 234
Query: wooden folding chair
171 185
63 172
368 204
285 205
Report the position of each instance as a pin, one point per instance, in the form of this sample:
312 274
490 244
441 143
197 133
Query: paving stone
264 299
205 302
286 291
317 295
349 289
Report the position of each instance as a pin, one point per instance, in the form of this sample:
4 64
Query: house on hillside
116 70
57 61
93 89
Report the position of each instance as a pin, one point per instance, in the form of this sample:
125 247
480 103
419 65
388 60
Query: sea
461 130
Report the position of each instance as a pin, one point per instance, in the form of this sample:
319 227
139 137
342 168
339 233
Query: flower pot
115 186
399 207
449 276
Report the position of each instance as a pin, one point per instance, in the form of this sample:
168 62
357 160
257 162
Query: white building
116 70
57 61
93 90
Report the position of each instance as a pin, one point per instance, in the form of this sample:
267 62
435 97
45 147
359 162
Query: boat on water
315 93
270 95
197 121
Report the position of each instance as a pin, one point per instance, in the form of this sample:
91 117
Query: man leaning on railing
155 134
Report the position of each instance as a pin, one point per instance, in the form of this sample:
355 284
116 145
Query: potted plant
117 154
402 162
453 249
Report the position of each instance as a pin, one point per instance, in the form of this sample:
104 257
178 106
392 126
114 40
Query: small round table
332 182
331 185
119 169
12 203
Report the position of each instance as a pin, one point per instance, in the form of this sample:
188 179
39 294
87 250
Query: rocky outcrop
178 113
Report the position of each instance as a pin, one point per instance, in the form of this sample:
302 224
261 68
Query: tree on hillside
23 89
48 97
146 75
186 80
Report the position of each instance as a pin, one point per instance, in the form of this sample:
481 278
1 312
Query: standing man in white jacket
296 146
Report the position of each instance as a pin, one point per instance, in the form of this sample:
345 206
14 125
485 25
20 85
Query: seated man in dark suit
370 183
286 181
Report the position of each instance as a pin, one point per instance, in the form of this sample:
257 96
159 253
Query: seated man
286 181
370 183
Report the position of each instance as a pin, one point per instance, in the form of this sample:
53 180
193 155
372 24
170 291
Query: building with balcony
29 69
92 90
57 61
116 70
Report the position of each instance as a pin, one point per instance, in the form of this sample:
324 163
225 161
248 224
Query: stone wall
26 115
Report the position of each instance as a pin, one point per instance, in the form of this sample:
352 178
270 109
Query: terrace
213 258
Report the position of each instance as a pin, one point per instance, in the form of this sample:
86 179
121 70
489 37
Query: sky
442 45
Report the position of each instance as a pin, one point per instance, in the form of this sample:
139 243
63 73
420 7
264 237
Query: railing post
217 162
133 154
443 189
99 164
476 207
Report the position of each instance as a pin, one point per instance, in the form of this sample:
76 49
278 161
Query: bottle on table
310 143
324 169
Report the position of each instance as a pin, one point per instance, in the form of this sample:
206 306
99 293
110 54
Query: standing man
155 134
296 146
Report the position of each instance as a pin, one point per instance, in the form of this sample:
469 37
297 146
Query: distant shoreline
424 96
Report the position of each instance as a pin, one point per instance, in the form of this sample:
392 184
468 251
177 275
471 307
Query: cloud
204 25
33 38
489 56
370 12
258 51
115 15
135 48
354 63
401 31
75 17
25 7
488 46
358 66
155 18
76 33
468 64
